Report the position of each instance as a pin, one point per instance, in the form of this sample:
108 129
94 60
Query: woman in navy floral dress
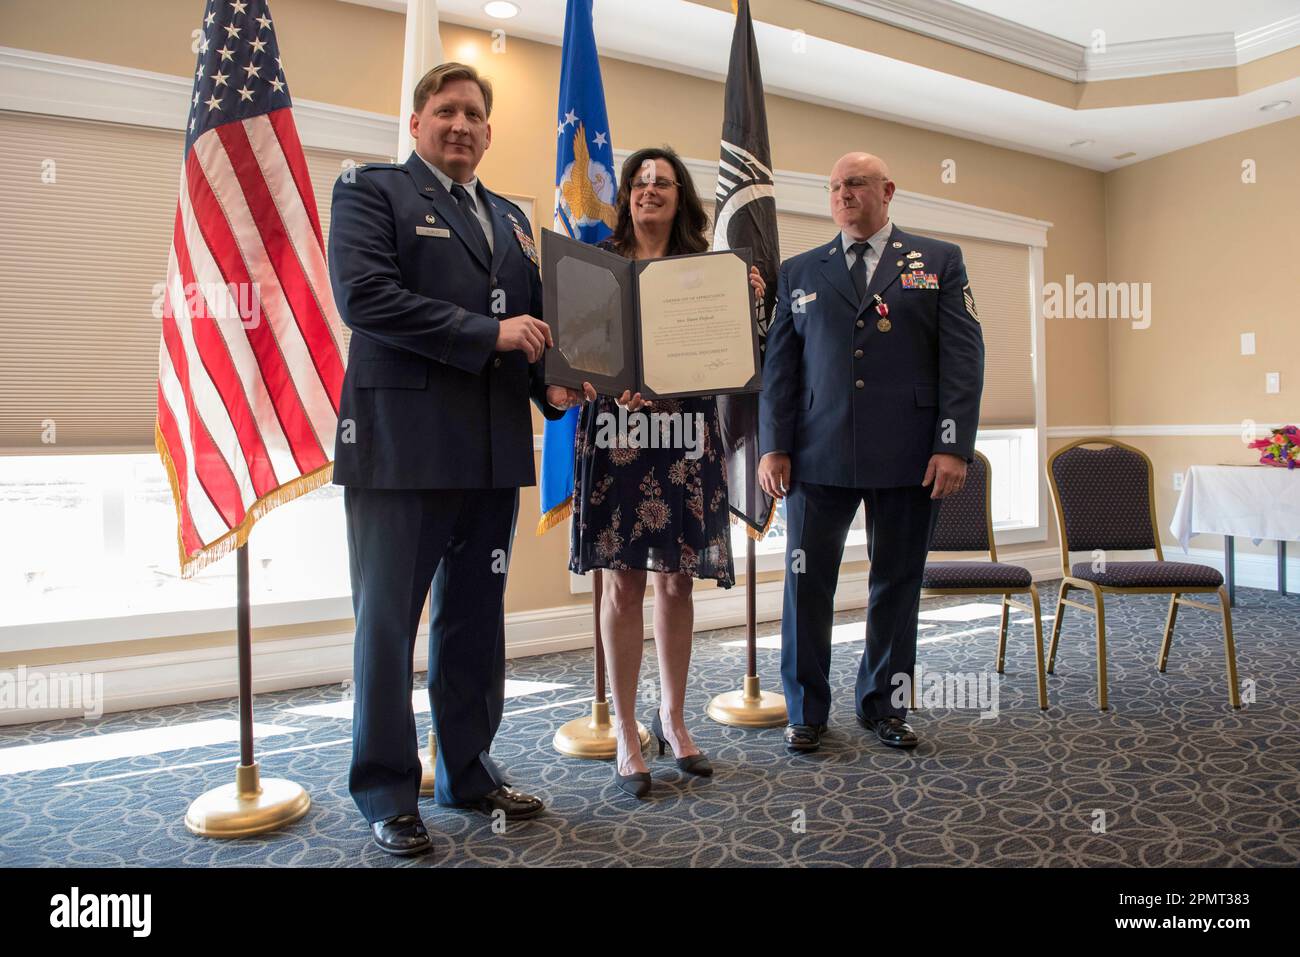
657 512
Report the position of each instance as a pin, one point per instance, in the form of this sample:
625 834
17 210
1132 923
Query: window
1013 458
1000 277
98 542
93 536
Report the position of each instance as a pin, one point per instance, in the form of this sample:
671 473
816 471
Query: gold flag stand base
749 708
593 737
249 806
428 761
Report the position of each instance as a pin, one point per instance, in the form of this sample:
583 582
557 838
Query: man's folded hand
947 473
528 335
774 474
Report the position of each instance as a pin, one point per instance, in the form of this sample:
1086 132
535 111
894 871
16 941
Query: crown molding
1025 46
975 30
32 82
1210 51
1268 39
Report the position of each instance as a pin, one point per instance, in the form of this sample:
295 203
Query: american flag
250 367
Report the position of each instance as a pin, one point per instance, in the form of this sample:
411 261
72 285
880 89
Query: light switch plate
1272 382
1248 343
1178 481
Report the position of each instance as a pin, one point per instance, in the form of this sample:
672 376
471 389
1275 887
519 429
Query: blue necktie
461 195
858 273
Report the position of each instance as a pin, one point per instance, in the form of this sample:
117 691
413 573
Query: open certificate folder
667 328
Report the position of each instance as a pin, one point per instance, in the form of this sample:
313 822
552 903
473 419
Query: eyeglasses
852 182
660 183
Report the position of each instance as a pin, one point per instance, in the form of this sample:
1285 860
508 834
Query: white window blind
80 255
999 277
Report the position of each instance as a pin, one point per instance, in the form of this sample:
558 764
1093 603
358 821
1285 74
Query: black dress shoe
803 737
892 731
516 804
403 835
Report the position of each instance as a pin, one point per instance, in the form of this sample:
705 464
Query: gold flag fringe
753 532
237 536
555 516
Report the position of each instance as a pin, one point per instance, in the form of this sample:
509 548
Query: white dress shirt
480 208
875 249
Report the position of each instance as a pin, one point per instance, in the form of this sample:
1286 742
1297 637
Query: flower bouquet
1281 449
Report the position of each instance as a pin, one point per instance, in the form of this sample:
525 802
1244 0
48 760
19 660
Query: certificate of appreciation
667 328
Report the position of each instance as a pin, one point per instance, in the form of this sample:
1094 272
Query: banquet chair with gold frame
965 525
1105 501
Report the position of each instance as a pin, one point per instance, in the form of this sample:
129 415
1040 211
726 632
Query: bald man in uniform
871 393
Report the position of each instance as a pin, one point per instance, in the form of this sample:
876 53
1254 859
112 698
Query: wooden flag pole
751 706
597 592
250 805
592 736
429 755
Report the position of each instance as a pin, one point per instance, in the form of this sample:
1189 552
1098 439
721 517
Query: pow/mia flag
745 215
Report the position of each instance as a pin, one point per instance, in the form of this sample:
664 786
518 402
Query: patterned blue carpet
1170 776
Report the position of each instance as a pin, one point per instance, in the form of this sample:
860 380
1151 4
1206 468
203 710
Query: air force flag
585 188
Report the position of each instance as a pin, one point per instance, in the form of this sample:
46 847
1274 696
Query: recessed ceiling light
501 9
1123 156
1275 105
1078 143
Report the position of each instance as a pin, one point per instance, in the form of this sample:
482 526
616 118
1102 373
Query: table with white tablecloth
1258 502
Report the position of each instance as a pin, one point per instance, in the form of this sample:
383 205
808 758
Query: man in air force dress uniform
437 278
871 393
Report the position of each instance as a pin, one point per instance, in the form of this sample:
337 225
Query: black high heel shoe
636 784
691 764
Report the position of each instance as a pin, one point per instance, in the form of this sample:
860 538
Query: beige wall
334 52
325 62
1221 256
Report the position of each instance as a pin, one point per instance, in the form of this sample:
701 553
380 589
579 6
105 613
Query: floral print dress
641 507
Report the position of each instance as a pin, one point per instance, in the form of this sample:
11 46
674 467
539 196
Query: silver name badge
432 231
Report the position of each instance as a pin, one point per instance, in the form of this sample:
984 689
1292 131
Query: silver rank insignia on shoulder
970 302
914 255
430 219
